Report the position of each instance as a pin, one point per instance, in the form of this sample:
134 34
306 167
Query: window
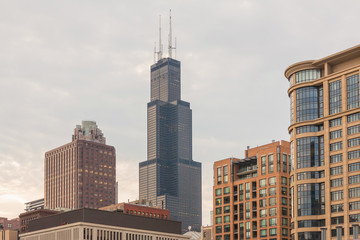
337 208
263 223
284 221
218 192
272 211
310 175
272 232
310 152
311 199
354 205
354 142
226 200
271 163
272 191
219 175
309 103
272 222
337 195
335 97
225 174
218 201
284 231
283 190
226 209
272 181
226 190
309 128
336 170
354 179
284 201
311 223
354 192
284 163
247 191
335 122
263 232
241 211
218 220
335 146
247 210
241 192
272 201
263 212
262 183
226 228
336 134
218 210
336 158
354 154
353 129
353 117
262 192
354 217
307 75
337 220
354 166
226 219
262 202
336 182
263 165
352 91
284 211
284 180
218 229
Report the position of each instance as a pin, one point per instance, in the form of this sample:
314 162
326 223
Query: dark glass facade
170 178
309 103
311 199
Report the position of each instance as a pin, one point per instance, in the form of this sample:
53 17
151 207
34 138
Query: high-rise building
325 145
82 172
34 205
170 178
251 198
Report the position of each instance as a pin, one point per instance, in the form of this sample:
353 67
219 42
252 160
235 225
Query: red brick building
139 210
12 224
81 173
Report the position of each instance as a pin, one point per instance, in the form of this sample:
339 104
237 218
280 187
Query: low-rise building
8 235
207 232
9 224
92 224
26 217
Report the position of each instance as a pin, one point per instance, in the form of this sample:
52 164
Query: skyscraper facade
169 177
81 173
325 145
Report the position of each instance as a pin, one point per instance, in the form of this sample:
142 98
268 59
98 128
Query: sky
62 62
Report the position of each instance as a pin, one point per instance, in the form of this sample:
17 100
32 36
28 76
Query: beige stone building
325 145
8 235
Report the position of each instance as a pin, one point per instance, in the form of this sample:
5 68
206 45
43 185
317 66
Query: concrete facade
325 134
251 198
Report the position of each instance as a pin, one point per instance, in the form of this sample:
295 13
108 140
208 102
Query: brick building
9 224
26 217
81 173
251 195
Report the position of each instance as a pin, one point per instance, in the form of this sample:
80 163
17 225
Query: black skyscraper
170 178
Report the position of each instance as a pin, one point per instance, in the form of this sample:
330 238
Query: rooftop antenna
171 47
159 53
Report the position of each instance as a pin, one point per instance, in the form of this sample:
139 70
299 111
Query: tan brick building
251 195
81 173
325 144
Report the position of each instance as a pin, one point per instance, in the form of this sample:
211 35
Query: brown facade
9 224
139 210
26 217
81 173
325 143
9 235
251 195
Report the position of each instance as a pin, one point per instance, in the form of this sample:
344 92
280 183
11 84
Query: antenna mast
160 45
170 48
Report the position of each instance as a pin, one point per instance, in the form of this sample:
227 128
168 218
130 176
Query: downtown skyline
71 62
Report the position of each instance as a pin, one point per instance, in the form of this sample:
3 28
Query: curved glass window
311 199
307 75
335 97
291 109
310 152
309 103
309 128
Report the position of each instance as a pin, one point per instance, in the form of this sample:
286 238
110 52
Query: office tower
81 173
251 198
33 205
170 178
325 144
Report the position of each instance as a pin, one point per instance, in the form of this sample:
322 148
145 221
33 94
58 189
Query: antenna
170 48
154 52
160 45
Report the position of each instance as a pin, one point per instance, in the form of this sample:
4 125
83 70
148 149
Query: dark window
352 91
311 199
309 103
310 152
335 97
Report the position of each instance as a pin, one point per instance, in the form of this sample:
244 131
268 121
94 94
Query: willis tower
169 178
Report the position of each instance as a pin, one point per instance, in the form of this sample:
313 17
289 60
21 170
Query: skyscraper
82 172
170 178
325 145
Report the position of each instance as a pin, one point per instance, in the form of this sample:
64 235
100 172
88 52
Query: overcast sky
66 61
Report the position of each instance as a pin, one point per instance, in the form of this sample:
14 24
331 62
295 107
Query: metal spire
170 47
